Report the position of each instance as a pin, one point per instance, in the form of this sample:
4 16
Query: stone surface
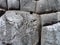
48 18
19 28
46 6
51 35
13 4
58 16
52 4
3 4
58 5
42 6
28 5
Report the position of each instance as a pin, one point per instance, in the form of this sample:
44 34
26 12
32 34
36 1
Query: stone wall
29 22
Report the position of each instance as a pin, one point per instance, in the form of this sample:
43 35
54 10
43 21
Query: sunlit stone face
20 28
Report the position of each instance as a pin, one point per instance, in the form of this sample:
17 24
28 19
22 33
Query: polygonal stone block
48 18
3 4
19 28
58 16
28 5
13 4
52 4
42 6
58 5
50 35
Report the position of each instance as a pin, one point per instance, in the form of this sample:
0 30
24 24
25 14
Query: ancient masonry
29 22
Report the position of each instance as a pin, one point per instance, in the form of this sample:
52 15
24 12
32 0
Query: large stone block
19 28
48 18
13 4
3 4
52 4
46 6
51 35
58 16
28 5
42 6
58 5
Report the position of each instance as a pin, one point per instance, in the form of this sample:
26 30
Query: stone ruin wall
29 22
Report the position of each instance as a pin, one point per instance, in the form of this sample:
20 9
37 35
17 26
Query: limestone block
48 18
28 5
58 5
42 6
51 35
52 4
3 4
13 4
58 16
21 28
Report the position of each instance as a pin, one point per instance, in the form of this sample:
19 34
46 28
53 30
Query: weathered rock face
19 28
58 16
42 6
48 18
51 35
52 4
3 4
46 5
28 5
38 6
13 4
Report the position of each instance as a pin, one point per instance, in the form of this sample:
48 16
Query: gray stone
58 16
48 18
51 35
28 5
3 4
13 4
58 5
19 28
42 6
52 4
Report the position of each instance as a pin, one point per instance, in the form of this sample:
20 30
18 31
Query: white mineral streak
19 28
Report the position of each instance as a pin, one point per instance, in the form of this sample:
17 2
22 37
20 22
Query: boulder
42 6
28 5
48 18
50 35
19 28
13 4
3 4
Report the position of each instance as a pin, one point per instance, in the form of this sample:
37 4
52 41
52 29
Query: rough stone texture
42 6
51 35
48 18
52 4
3 4
19 28
58 5
28 5
38 6
13 4
58 16
46 6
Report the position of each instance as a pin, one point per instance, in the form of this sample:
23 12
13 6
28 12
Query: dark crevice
7 4
3 42
1 12
31 12
14 9
47 24
6 43
19 5
36 0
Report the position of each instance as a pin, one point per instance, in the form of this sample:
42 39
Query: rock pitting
19 28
